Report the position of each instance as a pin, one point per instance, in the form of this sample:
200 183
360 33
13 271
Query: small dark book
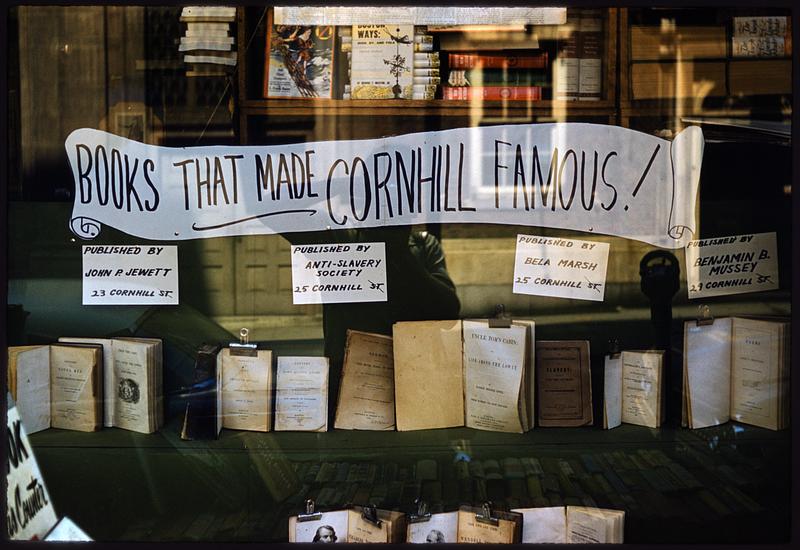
202 419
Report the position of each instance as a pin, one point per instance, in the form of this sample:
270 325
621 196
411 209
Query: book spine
590 38
426 67
496 77
471 61
531 93
566 67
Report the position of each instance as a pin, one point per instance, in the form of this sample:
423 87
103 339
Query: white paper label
339 273
732 265
563 268
130 275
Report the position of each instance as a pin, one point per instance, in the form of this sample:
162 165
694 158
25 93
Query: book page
361 530
707 356
73 387
586 527
30 368
108 373
562 369
544 525
366 395
132 392
471 530
439 528
301 395
755 372
494 359
612 394
246 390
331 527
641 379
428 375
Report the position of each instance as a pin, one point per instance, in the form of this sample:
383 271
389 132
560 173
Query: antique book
138 384
57 386
382 62
366 394
736 368
433 528
301 394
496 60
572 524
245 388
516 93
472 375
474 526
202 418
633 389
29 509
350 525
563 375
300 61
108 373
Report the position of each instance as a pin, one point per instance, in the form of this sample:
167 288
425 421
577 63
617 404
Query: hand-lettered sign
339 273
563 268
732 265
585 177
127 275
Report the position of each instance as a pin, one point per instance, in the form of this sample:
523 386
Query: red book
471 60
532 93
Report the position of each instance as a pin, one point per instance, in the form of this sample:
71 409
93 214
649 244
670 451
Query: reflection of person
418 288
325 533
435 536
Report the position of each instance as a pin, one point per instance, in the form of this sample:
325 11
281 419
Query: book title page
641 378
132 392
754 372
301 396
73 388
246 390
366 396
439 528
564 383
494 359
473 531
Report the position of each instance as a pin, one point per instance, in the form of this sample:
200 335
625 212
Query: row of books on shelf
554 525
427 375
421 62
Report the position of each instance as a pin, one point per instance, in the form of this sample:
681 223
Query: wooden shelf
436 107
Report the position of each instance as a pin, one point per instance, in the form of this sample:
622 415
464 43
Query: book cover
564 382
499 60
382 62
300 61
530 93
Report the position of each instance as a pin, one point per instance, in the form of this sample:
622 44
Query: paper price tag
563 268
732 265
339 273
130 275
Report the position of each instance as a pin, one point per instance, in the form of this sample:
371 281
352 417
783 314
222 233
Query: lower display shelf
717 485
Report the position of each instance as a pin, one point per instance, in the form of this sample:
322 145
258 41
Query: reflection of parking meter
660 272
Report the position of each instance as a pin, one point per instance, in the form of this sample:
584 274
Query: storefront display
401 274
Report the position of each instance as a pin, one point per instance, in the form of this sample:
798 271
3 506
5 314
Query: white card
732 265
563 268
339 273
130 275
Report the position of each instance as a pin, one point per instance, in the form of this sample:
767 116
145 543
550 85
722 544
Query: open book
572 524
464 373
736 368
633 393
57 386
350 525
564 382
467 525
132 381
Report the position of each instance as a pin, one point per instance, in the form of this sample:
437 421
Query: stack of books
577 69
207 44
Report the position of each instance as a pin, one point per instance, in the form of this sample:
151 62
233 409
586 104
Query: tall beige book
433 528
350 525
301 394
57 386
564 382
475 525
138 384
633 383
464 373
736 368
572 524
246 389
366 394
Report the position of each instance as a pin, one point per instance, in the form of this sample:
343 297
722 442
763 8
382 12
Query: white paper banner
563 268
339 273
584 177
732 265
129 275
